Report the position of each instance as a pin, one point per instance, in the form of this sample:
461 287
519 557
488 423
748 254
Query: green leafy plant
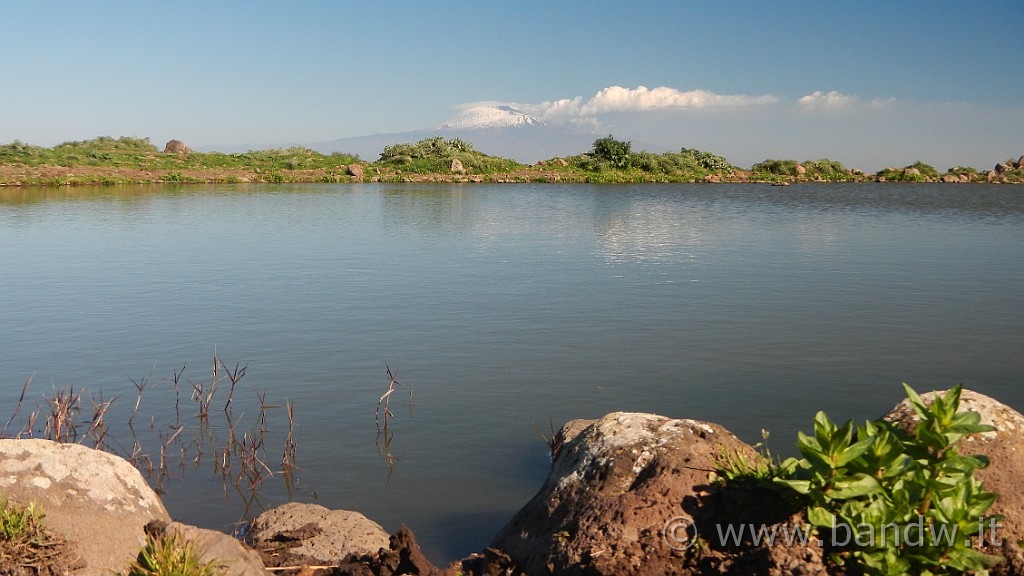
897 502
17 523
27 547
165 555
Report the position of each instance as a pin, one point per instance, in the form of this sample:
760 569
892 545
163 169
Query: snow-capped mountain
490 117
495 130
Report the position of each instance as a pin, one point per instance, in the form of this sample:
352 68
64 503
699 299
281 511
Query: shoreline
46 176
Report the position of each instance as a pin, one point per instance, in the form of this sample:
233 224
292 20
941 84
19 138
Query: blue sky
867 83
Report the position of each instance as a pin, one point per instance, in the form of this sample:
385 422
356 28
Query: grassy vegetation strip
127 160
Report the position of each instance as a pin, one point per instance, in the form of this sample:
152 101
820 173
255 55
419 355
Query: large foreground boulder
627 494
95 500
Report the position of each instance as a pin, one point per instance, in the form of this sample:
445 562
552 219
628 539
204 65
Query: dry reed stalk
385 399
233 376
176 380
17 408
204 397
288 457
97 426
554 442
60 421
263 410
385 451
164 444
30 424
251 463
139 387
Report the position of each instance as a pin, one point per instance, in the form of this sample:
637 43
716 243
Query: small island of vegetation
128 160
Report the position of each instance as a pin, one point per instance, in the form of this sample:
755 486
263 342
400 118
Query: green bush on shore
435 156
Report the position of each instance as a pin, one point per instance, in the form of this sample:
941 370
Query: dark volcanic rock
623 496
403 556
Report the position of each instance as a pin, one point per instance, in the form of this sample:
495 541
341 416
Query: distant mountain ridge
497 130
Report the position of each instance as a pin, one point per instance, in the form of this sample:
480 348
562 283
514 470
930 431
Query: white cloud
619 99
834 100
564 110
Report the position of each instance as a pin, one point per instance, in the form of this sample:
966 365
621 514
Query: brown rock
622 495
176 147
1020 162
355 170
800 170
403 556
457 167
950 178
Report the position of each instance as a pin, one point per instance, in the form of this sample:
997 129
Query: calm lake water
504 308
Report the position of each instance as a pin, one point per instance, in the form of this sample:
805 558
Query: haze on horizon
870 84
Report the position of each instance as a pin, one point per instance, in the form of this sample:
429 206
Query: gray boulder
457 166
311 534
176 147
95 500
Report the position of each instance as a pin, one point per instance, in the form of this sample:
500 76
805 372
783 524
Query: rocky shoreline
19 176
628 493
556 170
